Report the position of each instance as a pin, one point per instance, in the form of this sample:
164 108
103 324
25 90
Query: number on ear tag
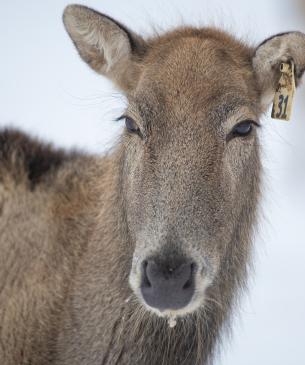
282 103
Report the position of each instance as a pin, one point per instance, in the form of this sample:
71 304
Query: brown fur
71 225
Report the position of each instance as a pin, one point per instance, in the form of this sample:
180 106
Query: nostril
189 283
145 279
193 267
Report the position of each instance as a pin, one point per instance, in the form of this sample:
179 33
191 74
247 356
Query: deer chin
191 308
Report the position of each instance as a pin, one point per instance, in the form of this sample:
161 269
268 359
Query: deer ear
105 45
268 57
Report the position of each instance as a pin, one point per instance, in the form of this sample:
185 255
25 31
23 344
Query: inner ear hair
106 45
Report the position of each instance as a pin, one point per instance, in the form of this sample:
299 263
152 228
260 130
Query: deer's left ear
268 57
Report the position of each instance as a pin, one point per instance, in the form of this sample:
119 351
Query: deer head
191 161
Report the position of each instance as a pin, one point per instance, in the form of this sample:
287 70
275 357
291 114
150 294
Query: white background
46 89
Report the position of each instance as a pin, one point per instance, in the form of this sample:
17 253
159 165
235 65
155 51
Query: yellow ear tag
283 98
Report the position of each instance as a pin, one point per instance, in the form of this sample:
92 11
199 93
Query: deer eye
242 129
131 126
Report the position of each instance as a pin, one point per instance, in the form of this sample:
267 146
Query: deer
140 256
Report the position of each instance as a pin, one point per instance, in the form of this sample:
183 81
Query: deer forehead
205 56
188 76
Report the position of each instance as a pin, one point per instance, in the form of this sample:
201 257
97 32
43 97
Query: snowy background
45 89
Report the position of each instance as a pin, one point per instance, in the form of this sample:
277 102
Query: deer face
191 164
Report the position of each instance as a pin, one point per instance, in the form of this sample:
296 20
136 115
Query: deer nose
166 287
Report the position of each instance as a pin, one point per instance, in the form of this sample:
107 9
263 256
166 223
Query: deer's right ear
105 45
268 56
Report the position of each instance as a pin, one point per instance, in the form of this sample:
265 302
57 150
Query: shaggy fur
73 227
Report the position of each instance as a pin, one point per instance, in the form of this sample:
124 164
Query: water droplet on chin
172 322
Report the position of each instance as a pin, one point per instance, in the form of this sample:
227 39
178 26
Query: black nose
167 287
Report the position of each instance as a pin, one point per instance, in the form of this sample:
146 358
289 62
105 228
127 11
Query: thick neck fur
108 323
